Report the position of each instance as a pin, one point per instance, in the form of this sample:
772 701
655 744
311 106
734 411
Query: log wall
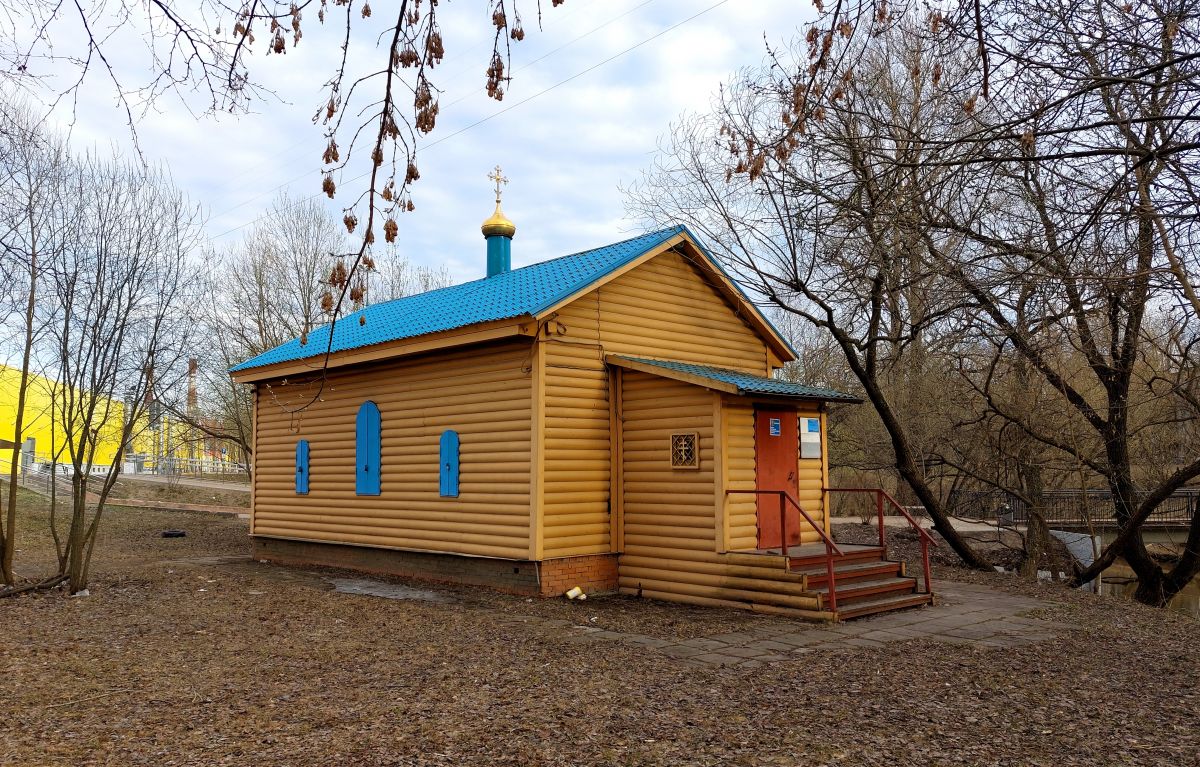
664 308
483 392
669 521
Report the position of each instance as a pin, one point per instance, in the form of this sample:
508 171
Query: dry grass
230 495
231 662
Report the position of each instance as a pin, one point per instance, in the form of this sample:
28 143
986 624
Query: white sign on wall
810 437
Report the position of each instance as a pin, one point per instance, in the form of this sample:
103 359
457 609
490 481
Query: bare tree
270 287
31 171
207 49
119 321
262 293
1090 156
397 277
908 217
826 235
267 291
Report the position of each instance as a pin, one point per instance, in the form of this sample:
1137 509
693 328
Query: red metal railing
831 548
880 495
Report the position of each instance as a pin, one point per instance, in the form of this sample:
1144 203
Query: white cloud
565 151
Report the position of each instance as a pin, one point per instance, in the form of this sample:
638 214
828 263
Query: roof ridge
676 229
510 294
461 285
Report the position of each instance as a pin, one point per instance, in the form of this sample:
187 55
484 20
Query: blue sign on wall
776 427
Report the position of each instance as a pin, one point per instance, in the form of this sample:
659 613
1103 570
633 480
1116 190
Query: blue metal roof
520 292
747 383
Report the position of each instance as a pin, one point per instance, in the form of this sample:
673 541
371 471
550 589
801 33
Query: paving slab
745 652
861 642
770 645
735 638
706 643
371 588
681 651
884 636
798 639
973 616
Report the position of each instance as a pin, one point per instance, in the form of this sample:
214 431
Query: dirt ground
187 653
182 493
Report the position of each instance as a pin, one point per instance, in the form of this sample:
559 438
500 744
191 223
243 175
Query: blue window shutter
448 485
367 451
302 467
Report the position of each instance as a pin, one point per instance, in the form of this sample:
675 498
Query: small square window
685 451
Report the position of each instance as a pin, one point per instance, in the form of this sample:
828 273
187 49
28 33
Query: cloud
565 151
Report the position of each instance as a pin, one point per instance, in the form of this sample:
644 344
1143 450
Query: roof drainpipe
498 231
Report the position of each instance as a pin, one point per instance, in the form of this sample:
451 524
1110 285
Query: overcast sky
566 150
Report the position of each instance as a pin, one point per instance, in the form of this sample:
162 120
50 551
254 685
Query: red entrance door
777 454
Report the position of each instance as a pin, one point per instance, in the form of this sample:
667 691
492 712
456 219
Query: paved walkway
965 614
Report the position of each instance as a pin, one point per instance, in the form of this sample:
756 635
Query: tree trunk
1037 532
76 543
1037 542
8 538
907 469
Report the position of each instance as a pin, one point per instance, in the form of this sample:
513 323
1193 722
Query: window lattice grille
685 452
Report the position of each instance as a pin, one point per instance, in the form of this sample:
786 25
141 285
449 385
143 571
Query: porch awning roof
731 381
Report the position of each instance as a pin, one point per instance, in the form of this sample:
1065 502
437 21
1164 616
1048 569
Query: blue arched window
448 482
367 451
302 467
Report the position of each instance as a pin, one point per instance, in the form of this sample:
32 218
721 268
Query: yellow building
189 450
606 419
43 427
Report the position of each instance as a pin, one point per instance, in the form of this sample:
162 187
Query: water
1119 580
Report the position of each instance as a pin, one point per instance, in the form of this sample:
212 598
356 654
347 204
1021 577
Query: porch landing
807 550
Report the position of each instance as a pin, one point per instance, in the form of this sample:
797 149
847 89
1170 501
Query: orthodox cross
499 179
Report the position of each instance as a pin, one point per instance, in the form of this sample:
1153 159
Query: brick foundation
594 574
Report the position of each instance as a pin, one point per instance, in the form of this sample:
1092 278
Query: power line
454 77
506 110
575 76
459 100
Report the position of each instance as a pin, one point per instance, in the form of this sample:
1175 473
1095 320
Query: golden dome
498 224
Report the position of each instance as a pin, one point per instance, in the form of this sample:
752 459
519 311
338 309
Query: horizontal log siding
670 519
812 481
483 393
663 308
576 465
740 510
